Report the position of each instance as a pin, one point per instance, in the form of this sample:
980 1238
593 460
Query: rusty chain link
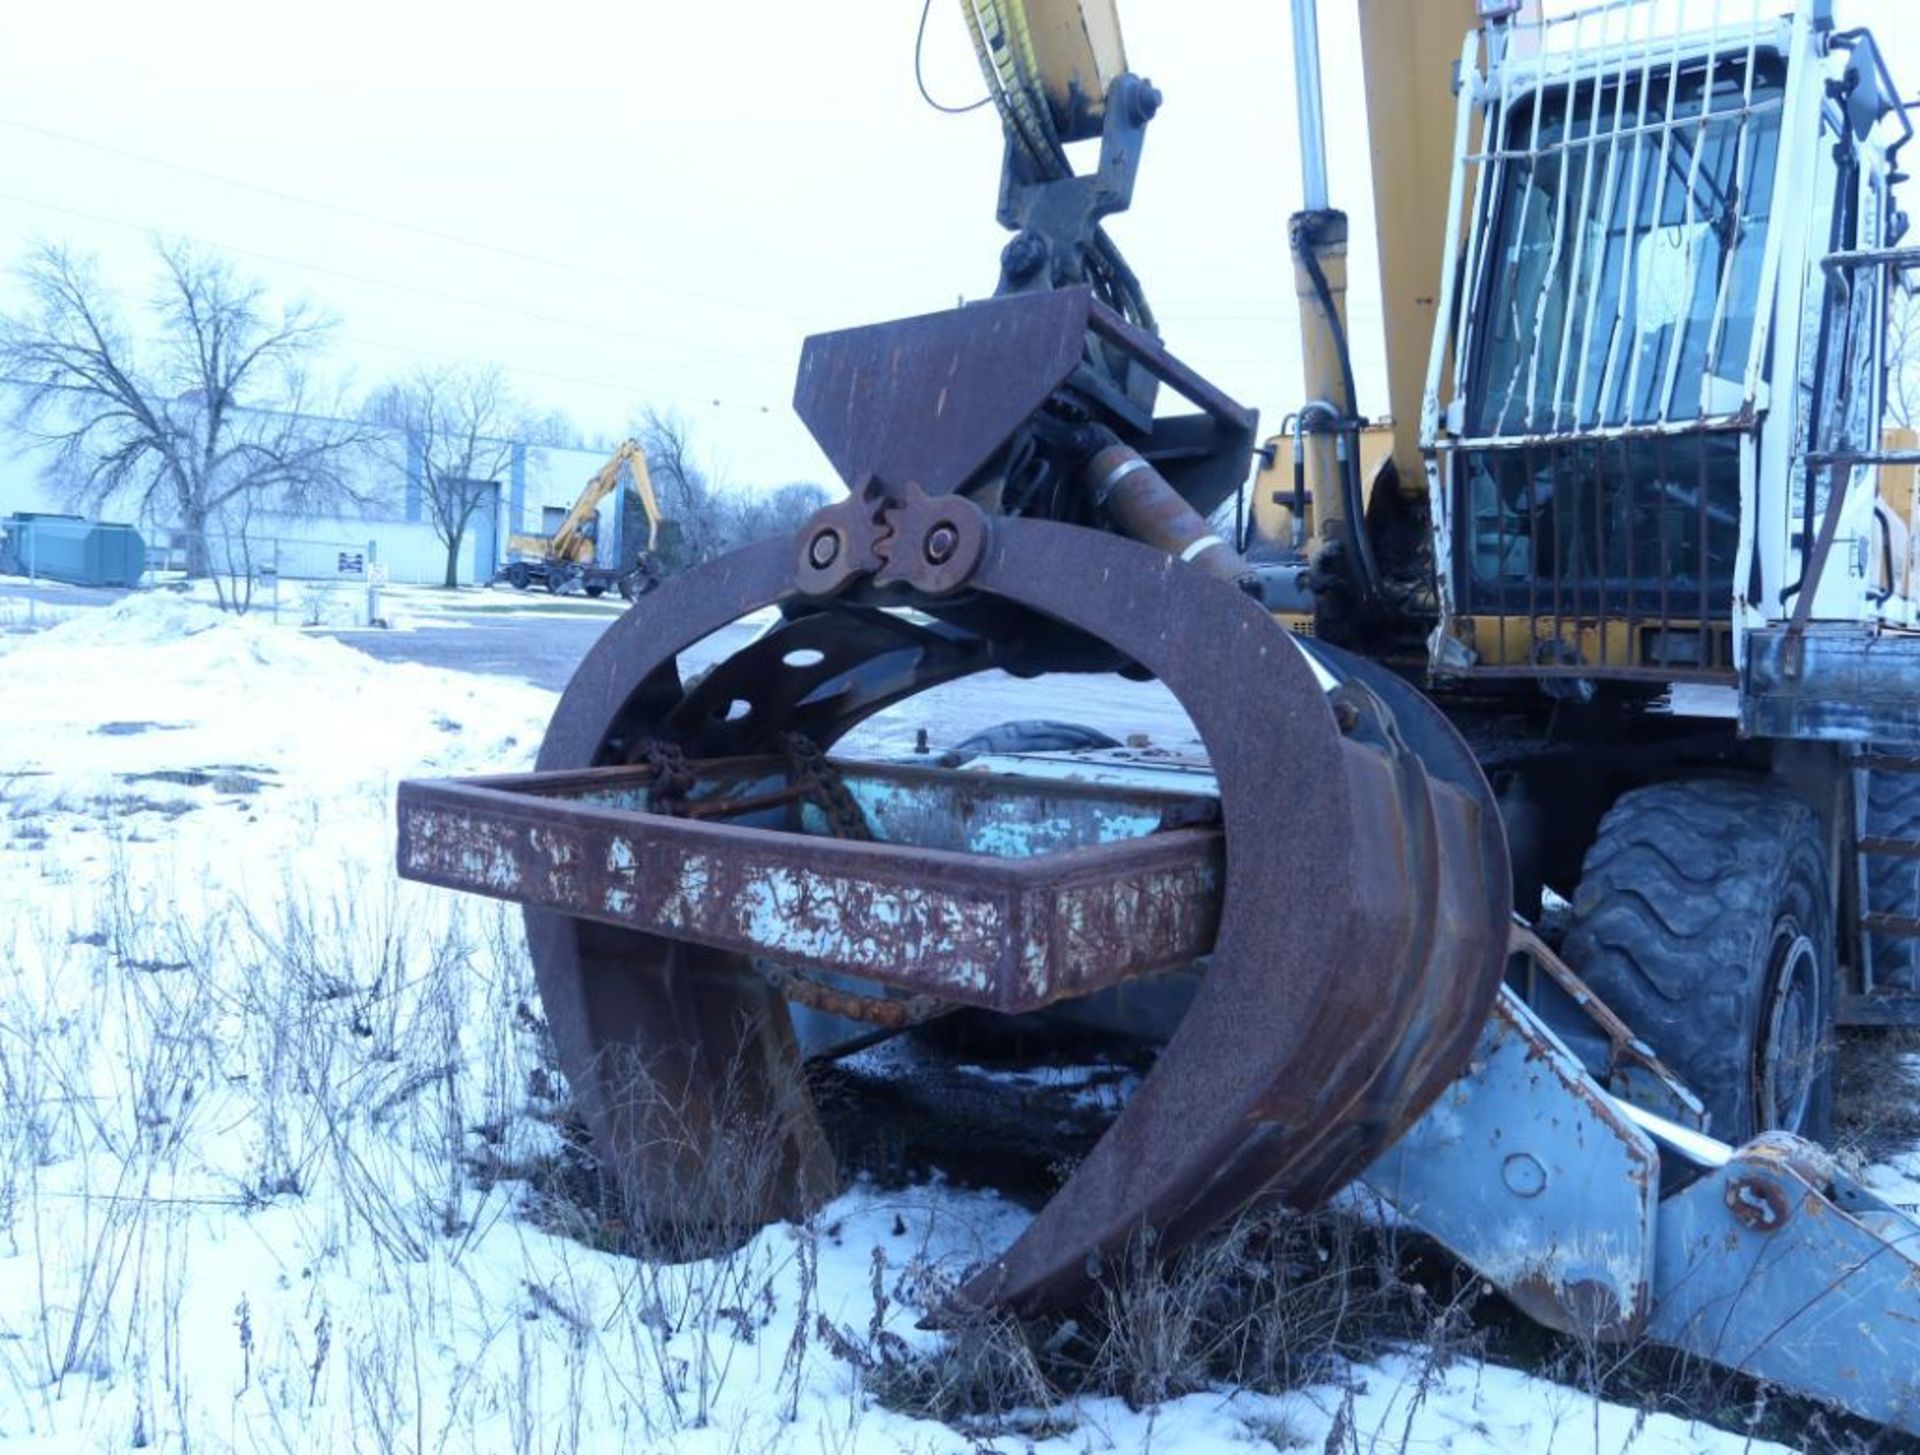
819 783
823 786
672 777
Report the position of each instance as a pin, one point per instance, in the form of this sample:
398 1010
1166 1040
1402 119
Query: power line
369 280
611 384
399 225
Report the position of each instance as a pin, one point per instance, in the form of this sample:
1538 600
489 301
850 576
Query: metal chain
820 781
672 777
893 1013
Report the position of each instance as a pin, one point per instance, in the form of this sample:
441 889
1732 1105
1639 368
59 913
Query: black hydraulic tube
1353 489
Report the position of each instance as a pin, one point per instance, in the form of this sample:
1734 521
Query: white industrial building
537 488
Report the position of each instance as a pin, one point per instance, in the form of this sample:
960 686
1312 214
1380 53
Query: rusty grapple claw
691 864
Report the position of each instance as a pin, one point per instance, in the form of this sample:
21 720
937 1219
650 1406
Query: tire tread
1673 892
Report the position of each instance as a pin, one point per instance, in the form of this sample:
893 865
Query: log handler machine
1561 791
571 556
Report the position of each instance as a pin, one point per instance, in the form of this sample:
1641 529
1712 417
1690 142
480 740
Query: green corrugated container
69 548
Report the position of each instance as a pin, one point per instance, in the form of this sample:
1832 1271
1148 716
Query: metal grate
1619 550
1623 187
1608 335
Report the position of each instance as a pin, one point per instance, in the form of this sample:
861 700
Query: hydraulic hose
1002 37
1353 488
1004 43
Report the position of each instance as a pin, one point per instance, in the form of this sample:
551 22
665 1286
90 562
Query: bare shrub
1276 1301
987 1374
1876 1102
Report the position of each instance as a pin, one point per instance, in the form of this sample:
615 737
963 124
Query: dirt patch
131 729
219 779
978 1114
124 805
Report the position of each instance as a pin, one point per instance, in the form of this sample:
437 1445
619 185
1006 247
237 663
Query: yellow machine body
573 543
1067 52
1410 112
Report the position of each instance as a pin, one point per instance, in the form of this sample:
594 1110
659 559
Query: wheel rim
1787 1057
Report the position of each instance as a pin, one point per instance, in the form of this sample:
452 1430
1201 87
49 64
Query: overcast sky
651 202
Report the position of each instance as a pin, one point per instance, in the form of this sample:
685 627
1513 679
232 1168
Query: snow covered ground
267 1118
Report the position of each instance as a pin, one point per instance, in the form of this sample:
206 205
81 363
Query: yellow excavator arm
1048 65
573 541
1054 69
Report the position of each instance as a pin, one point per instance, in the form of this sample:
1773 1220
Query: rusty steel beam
1012 935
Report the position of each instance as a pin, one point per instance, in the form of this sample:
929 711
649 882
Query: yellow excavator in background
1560 796
570 557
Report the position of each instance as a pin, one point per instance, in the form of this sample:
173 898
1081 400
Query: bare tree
555 429
209 412
686 495
461 426
710 518
749 516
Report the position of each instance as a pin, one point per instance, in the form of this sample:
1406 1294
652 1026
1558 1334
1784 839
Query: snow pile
143 618
158 683
278 1153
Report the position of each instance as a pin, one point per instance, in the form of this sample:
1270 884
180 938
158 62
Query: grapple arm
1615 1223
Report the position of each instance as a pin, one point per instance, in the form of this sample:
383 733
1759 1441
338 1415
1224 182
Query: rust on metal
1759 1203
1349 912
1006 934
1624 1045
1152 511
932 543
893 1013
1169 369
1362 900
929 399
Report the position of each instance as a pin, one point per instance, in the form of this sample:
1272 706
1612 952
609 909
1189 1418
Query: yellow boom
573 542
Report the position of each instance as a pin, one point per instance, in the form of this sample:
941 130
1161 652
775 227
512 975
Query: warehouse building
393 527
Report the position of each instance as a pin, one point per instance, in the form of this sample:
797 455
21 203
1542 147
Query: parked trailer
72 549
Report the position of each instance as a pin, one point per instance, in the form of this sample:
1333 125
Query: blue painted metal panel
485 530
72 549
1839 684
1778 1264
1529 1172
517 491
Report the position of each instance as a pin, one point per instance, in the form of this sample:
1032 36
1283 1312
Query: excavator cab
1655 397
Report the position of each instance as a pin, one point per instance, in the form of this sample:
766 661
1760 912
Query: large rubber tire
1893 884
518 576
596 589
1704 918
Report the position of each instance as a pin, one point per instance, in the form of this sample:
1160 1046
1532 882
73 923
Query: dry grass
1876 1102
386 1072
1276 1302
